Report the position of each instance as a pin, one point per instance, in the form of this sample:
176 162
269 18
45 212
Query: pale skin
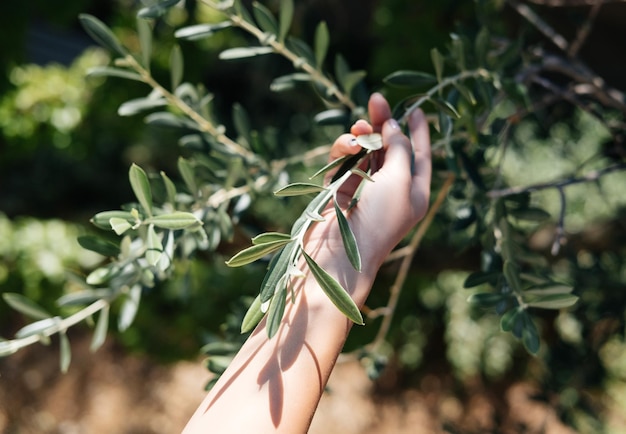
274 386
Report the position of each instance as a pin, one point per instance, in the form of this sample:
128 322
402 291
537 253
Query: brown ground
112 392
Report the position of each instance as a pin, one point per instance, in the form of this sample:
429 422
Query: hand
397 199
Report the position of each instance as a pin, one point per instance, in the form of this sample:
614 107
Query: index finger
420 141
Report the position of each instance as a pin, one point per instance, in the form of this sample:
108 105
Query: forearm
275 385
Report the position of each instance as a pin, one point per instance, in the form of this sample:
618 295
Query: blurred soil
111 391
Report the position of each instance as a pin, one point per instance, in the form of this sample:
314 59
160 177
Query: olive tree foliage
480 88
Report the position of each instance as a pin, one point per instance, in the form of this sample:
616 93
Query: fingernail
353 141
393 123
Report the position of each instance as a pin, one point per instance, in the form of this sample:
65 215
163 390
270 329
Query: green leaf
177 66
299 189
253 316
286 17
155 248
37 327
101 34
108 71
277 269
332 117
8 347
322 39
549 289
466 93
175 220
347 236
509 319
288 82
65 352
553 301
241 122
530 335
25 305
485 299
276 312
264 18
371 142
330 166
99 275
119 225
269 237
134 106
170 120
157 9
409 79
302 49
200 31
102 327
438 63
511 273
141 187
170 188
531 214
244 52
103 219
129 308
334 291
255 252
220 348
81 298
145 41
98 245
481 277
481 46
445 107
186 171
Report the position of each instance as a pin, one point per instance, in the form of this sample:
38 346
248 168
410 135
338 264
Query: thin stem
405 265
540 24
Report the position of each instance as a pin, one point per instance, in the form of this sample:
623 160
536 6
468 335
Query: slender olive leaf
371 142
286 17
175 220
256 252
37 327
101 34
507 322
8 347
276 312
129 308
220 348
332 117
119 225
530 334
553 301
170 188
155 248
438 63
313 208
330 166
102 327
481 277
269 237
65 352
253 316
177 66
350 162
409 79
98 245
134 106
218 364
334 291
103 219
244 52
200 31
141 187
549 289
170 120
25 305
347 236
322 39
302 49
299 189
242 11
342 69
99 275
445 107
362 174
511 273
144 31
264 18
466 93
108 71
530 214
157 9
481 46
276 270
485 299
241 122
186 171
288 82
352 79
81 298
458 52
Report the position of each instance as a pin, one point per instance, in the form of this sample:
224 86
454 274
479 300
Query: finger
379 111
420 140
361 127
344 145
397 147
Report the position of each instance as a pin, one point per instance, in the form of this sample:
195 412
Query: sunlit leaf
170 188
269 237
81 298
119 225
98 245
25 305
134 106
299 189
322 39
253 316
157 9
409 79
549 289
8 347
170 120
330 166
99 276
129 308
347 236
175 220
334 291
65 352
276 312
109 71
155 248
101 34
177 66
332 117
276 271
37 327
244 52
287 82
103 219
286 17
553 301
200 31
255 252
372 142
102 327
141 187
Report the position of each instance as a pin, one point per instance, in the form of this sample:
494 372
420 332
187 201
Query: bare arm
275 385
